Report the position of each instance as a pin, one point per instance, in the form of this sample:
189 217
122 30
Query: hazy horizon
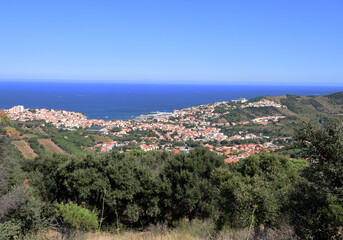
148 82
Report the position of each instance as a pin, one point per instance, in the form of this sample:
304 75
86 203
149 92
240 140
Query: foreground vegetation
156 195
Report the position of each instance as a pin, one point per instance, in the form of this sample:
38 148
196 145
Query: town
178 131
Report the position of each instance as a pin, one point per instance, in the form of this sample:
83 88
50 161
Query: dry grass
140 236
175 234
179 235
28 135
50 146
52 235
184 230
25 149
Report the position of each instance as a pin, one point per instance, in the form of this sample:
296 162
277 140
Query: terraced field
50 146
25 149
28 135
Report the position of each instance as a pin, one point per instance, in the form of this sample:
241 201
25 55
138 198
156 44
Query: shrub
77 217
9 229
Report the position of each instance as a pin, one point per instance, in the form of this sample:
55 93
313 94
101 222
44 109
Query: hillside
301 107
224 127
312 107
296 110
202 172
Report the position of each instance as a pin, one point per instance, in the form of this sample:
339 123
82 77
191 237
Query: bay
127 101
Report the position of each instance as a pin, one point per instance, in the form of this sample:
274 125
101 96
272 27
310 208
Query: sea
113 101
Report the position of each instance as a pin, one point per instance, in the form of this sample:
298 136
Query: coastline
129 101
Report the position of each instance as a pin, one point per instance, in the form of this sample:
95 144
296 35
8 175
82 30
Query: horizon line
164 82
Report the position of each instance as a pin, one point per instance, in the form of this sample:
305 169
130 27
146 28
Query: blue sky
221 42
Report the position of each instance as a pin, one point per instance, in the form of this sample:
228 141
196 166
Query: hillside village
179 131
144 163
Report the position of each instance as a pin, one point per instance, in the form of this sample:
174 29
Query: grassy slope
312 107
299 109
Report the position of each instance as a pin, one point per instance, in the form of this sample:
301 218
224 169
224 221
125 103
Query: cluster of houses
149 148
263 103
237 152
58 118
193 123
106 146
266 120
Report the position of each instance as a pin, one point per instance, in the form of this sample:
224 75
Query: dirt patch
39 130
50 146
28 135
25 149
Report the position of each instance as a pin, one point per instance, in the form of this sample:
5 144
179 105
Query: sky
281 42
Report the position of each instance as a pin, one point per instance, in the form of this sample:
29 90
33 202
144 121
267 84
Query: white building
17 109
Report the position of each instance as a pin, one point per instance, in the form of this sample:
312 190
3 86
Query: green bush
4 119
9 229
77 216
36 146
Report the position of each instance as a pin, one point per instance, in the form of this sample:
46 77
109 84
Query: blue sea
127 101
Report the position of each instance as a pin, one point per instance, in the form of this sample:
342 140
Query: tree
123 186
323 147
254 191
186 189
317 205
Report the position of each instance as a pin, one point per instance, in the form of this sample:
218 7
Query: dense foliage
136 189
318 202
255 191
20 208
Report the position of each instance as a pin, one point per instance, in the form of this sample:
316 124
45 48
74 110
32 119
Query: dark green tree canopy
323 147
317 203
254 191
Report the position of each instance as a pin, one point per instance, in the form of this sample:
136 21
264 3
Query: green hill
311 107
298 109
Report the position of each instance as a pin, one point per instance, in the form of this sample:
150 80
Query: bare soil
25 149
50 146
